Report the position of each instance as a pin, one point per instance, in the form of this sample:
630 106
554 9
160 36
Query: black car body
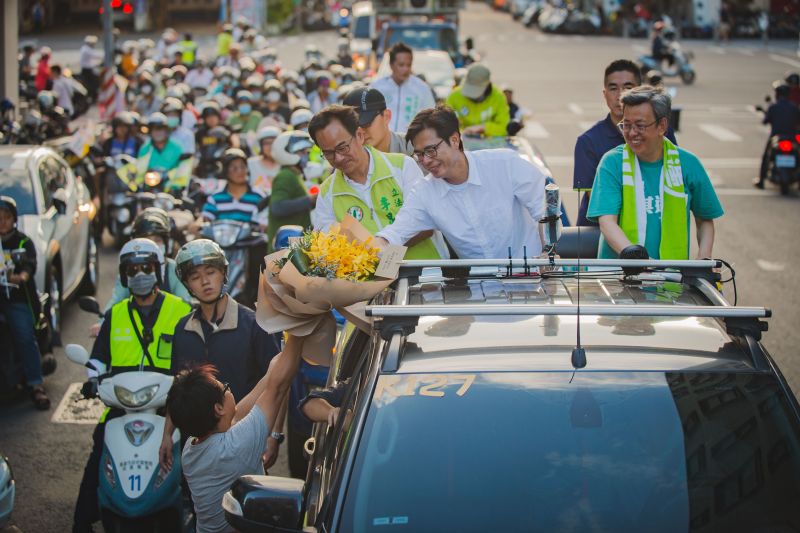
469 409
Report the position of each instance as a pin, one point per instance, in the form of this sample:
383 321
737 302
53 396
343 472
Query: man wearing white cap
481 106
89 60
405 93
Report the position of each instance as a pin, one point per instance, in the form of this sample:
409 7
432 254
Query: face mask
159 136
142 284
245 109
257 95
173 122
273 96
313 170
290 86
269 76
226 81
147 89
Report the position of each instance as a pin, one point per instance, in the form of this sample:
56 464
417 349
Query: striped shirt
223 206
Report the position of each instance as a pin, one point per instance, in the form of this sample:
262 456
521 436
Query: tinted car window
534 452
17 184
361 27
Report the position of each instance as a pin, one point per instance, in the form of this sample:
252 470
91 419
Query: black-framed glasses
341 149
145 268
635 128
429 151
225 388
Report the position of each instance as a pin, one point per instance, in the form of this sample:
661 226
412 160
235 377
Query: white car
434 66
7 491
55 211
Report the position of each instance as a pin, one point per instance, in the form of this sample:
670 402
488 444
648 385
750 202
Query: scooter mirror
89 304
77 354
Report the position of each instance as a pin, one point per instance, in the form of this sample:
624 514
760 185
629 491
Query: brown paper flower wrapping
301 305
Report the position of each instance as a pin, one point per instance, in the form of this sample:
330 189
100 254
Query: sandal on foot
40 399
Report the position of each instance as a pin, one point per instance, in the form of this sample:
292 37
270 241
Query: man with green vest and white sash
367 184
136 331
645 189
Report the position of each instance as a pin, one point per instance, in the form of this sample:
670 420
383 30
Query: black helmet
782 90
792 78
6 202
152 221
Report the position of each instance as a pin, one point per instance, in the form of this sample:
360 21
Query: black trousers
762 174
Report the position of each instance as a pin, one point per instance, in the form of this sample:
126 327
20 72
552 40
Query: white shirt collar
370 170
473 177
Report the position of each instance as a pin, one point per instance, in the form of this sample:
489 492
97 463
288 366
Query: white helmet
137 252
301 116
288 144
267 132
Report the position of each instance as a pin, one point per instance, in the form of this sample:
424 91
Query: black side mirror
90 305
268 503
469 43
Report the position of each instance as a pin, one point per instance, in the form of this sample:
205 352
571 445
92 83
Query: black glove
89 389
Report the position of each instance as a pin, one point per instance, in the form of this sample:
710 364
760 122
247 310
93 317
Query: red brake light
127 9
785 146
101 10
797 138
116 4
313 190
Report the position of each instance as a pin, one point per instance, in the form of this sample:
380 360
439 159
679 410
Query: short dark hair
442 119
191 400
399 48
623 65
343 113
56 68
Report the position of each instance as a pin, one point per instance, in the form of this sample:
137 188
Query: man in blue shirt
783 118
592 144
646 189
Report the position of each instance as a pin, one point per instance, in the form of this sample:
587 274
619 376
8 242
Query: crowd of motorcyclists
213 156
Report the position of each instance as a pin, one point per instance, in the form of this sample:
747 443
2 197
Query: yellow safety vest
126 350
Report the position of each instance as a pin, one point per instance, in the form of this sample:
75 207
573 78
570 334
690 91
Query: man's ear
387 114
663 125
454 140
219 409
360 135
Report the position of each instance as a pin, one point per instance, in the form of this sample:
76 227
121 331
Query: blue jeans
23 336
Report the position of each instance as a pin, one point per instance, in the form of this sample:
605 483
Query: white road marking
535 130
743 192
641 49
718 50
769 266
575 108
721 110
786 60
73 409
710 162
720 133
541 38
746 52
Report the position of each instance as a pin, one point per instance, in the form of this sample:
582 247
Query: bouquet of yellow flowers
320 271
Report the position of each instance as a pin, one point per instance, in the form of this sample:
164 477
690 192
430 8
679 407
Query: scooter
244 247
134 493
782 168
681 66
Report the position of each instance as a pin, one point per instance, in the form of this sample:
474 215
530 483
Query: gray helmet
196 253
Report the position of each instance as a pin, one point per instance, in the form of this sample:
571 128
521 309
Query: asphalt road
559 79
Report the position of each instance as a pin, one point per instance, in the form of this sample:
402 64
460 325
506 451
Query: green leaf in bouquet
300 260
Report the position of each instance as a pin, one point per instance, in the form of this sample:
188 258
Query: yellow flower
344 259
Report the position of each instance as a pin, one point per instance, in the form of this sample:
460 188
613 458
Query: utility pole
108 34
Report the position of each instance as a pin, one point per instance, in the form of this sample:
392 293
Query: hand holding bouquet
319 272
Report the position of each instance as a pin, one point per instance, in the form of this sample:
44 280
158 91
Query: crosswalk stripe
782 59
720 133
708 162
575 108
535 130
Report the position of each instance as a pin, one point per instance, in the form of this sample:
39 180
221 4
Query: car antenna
578 353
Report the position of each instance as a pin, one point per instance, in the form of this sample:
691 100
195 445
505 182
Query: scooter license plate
785 161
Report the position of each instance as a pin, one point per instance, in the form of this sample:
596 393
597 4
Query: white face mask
313 170
159 136
273 96
147 89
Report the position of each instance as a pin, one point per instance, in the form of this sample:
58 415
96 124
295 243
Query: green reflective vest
188 51
387 199
126 350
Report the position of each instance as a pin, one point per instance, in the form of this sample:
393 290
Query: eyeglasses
225 388
341 149
132 270
635 128
429 151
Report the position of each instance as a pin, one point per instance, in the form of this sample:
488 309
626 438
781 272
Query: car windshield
592 451
17 184
424 39
361 27
436 69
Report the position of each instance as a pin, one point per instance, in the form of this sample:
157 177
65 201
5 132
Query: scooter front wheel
688 76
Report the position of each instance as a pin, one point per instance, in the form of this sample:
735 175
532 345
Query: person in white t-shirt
483 202
405 93
226 439
263 168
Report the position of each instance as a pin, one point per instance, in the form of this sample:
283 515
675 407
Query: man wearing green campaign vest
136 331
645 189
367 184
188 49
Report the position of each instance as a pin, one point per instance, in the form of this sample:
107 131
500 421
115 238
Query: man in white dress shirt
405 93
483 202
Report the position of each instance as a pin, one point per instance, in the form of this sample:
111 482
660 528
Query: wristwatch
279 437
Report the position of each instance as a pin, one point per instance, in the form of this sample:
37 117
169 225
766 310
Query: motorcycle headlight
152 179
123 216
225 234
108 472
135 399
